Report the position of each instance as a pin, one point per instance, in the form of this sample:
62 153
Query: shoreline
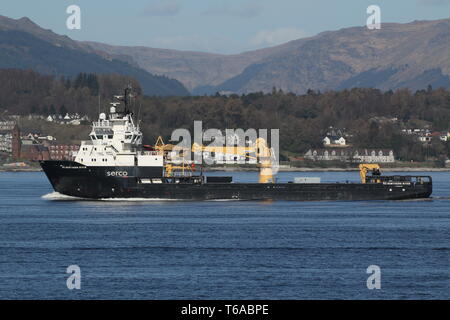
21 170
281 169
330 169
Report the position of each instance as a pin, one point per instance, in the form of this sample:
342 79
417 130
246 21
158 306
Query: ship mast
127 94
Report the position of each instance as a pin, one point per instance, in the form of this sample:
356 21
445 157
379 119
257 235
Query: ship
115 164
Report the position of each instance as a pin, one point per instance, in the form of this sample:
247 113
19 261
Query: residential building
425 138
73 119
10 138
425 135
62 151
219 158
334 138
39 138
351 155
34 152
334 141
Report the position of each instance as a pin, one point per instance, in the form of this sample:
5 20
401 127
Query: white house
334 141
424 138
351 155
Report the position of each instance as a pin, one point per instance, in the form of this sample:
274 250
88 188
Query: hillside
411 55
25 91
193 69
24 45
371 118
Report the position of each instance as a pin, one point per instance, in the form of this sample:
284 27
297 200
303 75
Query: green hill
48 53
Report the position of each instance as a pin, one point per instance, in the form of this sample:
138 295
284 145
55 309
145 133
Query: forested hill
24 92
366 114
24 45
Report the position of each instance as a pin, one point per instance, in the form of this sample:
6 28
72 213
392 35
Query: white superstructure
116 141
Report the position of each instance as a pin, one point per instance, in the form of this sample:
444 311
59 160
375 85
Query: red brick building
16 142
34 152
62 151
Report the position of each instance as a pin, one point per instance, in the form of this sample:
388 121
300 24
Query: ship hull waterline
75 180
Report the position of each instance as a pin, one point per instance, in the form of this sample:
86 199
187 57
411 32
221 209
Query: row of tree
24 91
302 119
372 118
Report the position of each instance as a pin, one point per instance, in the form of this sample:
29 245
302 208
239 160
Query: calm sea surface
221 249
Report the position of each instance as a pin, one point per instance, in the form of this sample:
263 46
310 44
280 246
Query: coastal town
20 149
24 149
336 147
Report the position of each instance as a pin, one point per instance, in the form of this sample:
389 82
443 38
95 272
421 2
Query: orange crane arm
262 152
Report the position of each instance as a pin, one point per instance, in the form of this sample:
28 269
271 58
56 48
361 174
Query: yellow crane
170 168
262 153
161 147
365 168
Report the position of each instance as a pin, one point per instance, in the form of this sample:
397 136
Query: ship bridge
116 141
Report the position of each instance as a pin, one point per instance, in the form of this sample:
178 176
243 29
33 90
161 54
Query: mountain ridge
328 60
211 68
25 45
412 55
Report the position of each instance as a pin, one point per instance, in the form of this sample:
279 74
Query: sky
219 26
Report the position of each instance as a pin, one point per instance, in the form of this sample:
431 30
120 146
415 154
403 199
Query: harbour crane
365 168
258 150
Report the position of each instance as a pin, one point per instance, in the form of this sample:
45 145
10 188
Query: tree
34 109
63 111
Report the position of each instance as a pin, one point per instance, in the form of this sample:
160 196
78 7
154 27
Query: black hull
72 179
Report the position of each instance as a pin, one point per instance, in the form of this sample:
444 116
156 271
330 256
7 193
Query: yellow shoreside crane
365 168
260 150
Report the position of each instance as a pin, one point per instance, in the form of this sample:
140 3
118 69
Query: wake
56 196
138 199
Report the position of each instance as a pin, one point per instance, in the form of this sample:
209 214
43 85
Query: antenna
126 96
139 112
134 104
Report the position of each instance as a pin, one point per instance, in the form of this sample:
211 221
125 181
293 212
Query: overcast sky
221 26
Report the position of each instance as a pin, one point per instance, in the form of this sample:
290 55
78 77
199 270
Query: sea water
140 249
